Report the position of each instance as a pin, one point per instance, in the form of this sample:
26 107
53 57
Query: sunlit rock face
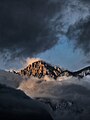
40 69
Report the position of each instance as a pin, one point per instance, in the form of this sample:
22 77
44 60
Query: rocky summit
40 69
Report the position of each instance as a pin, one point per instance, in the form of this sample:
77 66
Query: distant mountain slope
82 72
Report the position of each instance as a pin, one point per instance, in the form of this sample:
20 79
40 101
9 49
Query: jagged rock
40 69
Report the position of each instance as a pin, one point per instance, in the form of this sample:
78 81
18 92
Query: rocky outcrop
40 69
83 72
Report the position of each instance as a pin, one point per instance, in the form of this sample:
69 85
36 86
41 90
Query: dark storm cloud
28 27
74 22
88 61
24 28
88 1
80 32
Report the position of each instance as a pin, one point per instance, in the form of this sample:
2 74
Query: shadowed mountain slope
15 105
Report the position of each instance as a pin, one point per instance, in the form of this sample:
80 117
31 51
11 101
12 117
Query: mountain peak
40 68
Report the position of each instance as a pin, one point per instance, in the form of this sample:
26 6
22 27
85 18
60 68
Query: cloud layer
30 27
24 28
80 34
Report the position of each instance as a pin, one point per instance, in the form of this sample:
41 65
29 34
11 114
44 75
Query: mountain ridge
41 68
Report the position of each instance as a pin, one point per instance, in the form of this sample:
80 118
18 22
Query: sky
57 31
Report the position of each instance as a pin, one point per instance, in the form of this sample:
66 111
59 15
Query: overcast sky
57 31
